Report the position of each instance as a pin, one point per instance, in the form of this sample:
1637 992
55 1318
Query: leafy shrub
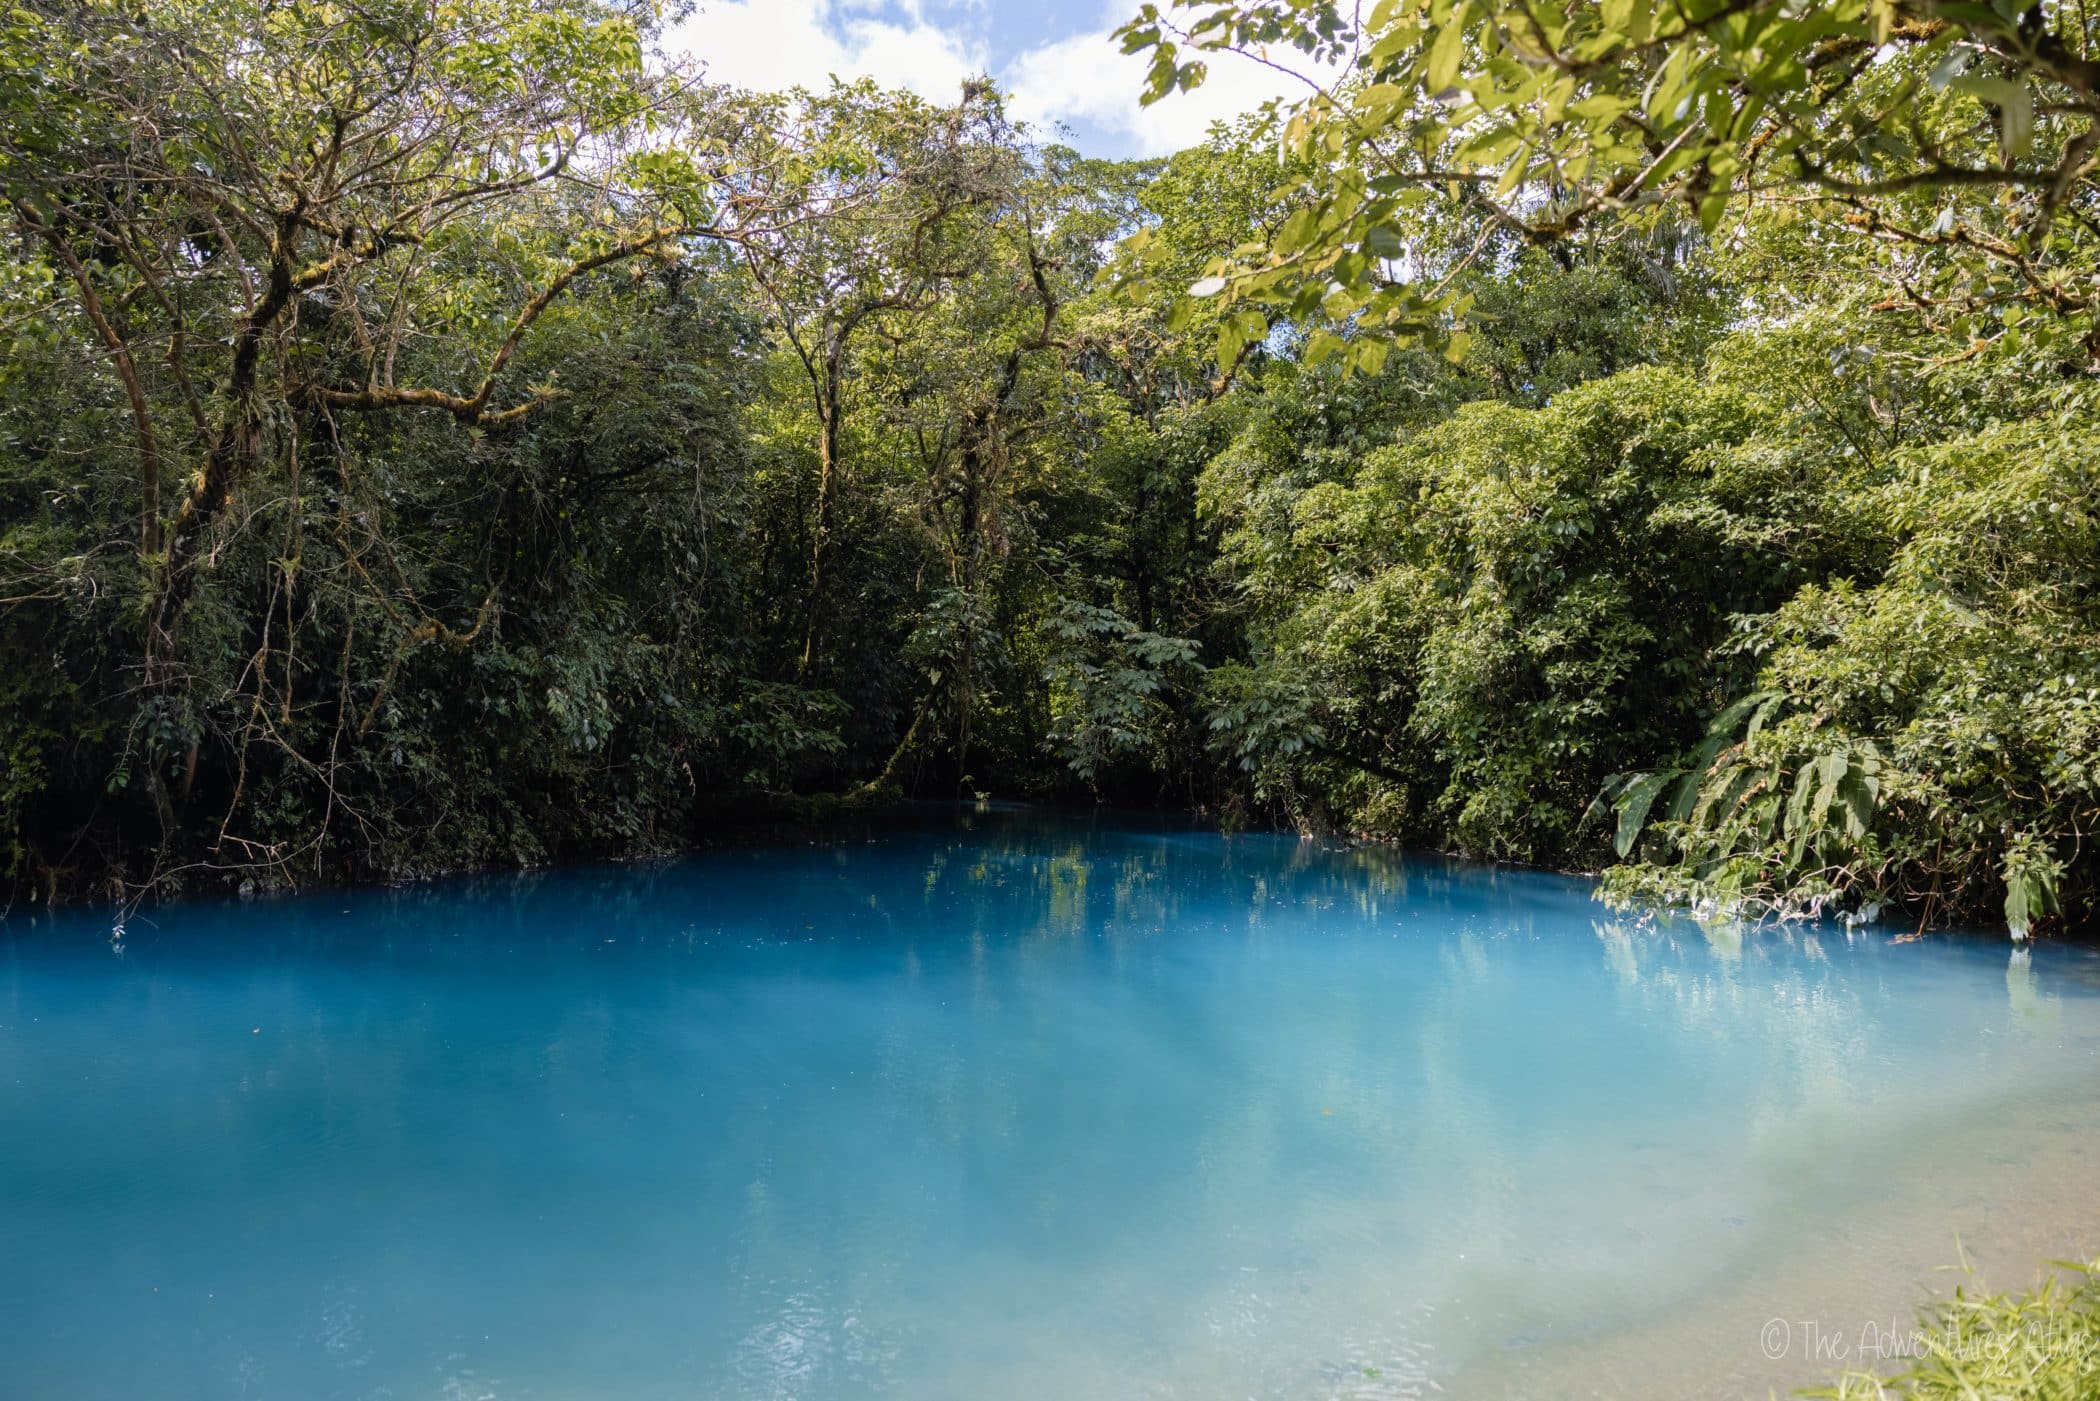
2041 1345
1930 740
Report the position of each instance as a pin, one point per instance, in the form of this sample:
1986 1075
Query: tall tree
889 184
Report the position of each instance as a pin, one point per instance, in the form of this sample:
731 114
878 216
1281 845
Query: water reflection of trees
1084 1048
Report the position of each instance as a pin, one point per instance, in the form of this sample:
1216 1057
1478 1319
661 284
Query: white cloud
768 45
1083 79
1086 78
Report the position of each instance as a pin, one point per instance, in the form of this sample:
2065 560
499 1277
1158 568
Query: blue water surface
999 1105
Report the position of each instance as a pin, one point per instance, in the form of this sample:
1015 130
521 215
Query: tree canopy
1641 437
1951 145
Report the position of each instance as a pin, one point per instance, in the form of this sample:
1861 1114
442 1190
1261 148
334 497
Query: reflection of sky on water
1039 1107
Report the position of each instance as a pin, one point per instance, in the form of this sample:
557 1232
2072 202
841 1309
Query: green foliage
442 433
1941 734
1498 610
1949 146
2042 1344
1109 681
1265 720
1854 529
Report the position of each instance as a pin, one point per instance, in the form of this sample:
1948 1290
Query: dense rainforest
1654 436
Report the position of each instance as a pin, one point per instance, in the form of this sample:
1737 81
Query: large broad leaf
1634 804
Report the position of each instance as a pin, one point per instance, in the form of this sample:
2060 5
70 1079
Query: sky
1053 58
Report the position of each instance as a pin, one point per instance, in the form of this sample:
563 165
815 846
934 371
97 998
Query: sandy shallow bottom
2005 1195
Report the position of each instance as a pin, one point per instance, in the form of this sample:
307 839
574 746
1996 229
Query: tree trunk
827 490
237 446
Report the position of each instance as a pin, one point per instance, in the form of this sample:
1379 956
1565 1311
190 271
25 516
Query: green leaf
2015 104
1633 806
1297 232
1445 54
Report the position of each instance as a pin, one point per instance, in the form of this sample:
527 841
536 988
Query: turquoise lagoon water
1004 1106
